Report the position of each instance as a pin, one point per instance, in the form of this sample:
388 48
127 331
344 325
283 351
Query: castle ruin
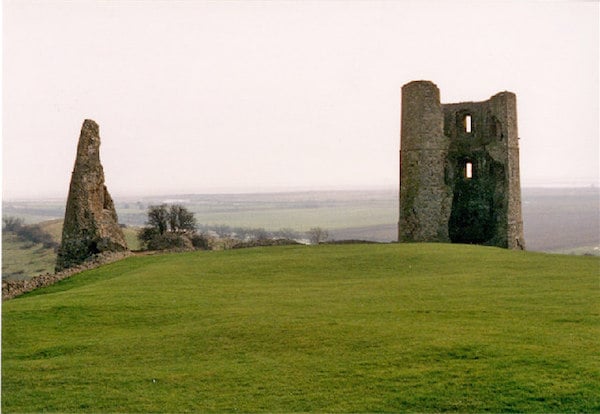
91 224
459 170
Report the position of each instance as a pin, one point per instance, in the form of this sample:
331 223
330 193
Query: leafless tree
317 235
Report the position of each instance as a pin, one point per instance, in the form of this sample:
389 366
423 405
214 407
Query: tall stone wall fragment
91 225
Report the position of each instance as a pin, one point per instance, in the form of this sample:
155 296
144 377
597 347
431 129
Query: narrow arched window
469 170
467 123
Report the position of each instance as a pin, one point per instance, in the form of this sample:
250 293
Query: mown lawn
330 328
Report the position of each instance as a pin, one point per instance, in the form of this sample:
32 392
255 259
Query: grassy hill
403 327
22 258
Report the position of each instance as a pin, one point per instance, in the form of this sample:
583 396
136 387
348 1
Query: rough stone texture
438 202
91 224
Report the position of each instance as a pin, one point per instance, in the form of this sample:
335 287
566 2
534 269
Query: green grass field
330 328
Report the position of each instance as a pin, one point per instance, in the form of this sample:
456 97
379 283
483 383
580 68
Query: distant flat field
562 220
555 219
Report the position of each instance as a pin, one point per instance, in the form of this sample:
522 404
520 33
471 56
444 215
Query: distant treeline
315 235
32 233
248 233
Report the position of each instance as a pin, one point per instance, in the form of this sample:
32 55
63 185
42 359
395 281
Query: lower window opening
469 170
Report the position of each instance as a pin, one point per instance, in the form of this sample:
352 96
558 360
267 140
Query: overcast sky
197 97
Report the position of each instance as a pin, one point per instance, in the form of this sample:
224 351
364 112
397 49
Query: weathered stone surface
91 224
439 201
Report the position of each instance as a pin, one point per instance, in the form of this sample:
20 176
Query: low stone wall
13 288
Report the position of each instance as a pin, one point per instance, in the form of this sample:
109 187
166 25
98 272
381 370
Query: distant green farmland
565 220
330 328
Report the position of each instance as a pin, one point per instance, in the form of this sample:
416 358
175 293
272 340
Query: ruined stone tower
91 225
459 170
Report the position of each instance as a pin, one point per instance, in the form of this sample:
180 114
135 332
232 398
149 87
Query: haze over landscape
255 254
200 97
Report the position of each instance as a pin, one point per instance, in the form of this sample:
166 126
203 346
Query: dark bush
200 241
169 241
74 252
32 233
145 234
12 224
35 234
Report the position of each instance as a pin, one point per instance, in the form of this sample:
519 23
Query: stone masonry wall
91 224
14 288
424 195
439 201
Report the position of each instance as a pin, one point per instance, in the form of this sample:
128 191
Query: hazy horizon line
276 190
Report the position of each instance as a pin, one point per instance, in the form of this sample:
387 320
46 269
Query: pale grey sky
197 96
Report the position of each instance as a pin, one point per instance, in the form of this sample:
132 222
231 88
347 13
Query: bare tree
158 218
317 235
181 219
169 227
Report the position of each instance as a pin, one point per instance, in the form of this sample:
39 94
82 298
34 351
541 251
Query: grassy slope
22 259
324 328
53 227
130 234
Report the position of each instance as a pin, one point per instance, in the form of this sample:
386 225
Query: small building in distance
459 170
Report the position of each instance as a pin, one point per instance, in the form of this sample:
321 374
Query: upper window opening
467 122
